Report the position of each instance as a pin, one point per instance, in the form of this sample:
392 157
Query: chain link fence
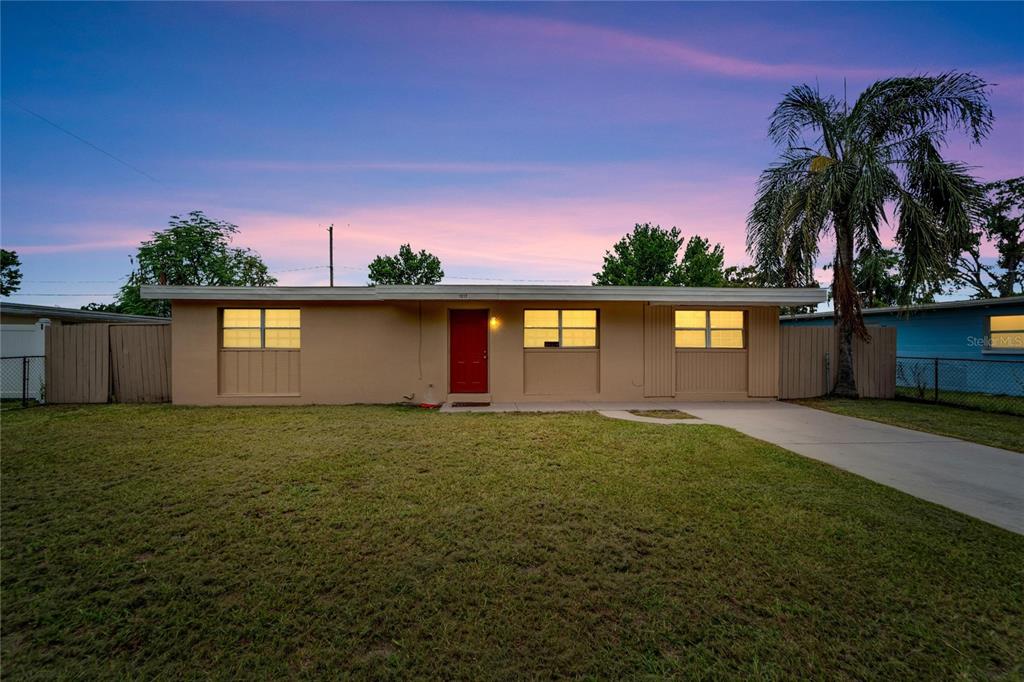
980 384
22 380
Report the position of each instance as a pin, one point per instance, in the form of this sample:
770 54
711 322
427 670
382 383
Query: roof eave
41 311
654 295
924 307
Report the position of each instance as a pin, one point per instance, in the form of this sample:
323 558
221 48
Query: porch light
494 322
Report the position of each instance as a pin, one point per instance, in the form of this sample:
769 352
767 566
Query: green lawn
1004 404
999 430
153 541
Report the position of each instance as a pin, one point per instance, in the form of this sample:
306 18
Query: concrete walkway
978 480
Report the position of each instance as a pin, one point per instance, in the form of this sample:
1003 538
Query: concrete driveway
978 480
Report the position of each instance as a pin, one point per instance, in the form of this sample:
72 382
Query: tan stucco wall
385 352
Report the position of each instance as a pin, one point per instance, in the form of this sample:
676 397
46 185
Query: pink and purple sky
515 141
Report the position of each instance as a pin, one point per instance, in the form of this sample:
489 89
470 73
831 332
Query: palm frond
803 109
921 241
897 108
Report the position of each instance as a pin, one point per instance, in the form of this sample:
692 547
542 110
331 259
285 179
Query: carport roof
474 292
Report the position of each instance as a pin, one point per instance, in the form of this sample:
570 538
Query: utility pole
330 242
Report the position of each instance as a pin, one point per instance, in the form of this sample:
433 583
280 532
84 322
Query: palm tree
841 166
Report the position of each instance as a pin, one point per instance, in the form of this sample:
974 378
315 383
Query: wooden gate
808 362
99 363
140 363
77 363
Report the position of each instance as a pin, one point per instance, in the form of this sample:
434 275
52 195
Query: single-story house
22 334
431 344
974 346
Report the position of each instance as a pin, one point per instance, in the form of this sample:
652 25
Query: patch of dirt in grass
662 414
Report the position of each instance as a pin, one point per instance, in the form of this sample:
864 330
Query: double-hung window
709 329
261 328
1006 333
560 329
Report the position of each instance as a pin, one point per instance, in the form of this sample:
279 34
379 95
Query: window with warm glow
560 329
709 329
257 328
1006 332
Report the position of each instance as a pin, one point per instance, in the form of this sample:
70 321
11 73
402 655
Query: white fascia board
468 292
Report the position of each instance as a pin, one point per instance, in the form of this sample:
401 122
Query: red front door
468 349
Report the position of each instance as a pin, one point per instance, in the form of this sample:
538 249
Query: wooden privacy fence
808 362
98 363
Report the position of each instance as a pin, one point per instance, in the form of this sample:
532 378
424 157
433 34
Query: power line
471 277
74 281
311 267
81 139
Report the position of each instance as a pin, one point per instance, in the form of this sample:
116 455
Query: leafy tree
839 165
745 276
702 264
877 278
406 267
1001 223
876 275
752 276
10 272
194 250
644 257
102 307
649 256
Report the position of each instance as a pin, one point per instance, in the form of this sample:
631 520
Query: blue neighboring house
988 329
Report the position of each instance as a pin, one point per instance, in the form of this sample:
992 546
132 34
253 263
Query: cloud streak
598 42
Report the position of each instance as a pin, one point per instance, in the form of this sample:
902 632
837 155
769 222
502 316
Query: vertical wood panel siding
708 372
659 351
802 357
259 372
561 372
763 352
77 363
97 362
874 363
140 363
803 350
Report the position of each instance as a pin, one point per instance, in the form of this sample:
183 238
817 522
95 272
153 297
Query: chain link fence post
24 381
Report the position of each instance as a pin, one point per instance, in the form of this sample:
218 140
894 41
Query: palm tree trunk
847 319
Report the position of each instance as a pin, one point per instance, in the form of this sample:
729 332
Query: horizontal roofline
463 292
942 305
29 309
